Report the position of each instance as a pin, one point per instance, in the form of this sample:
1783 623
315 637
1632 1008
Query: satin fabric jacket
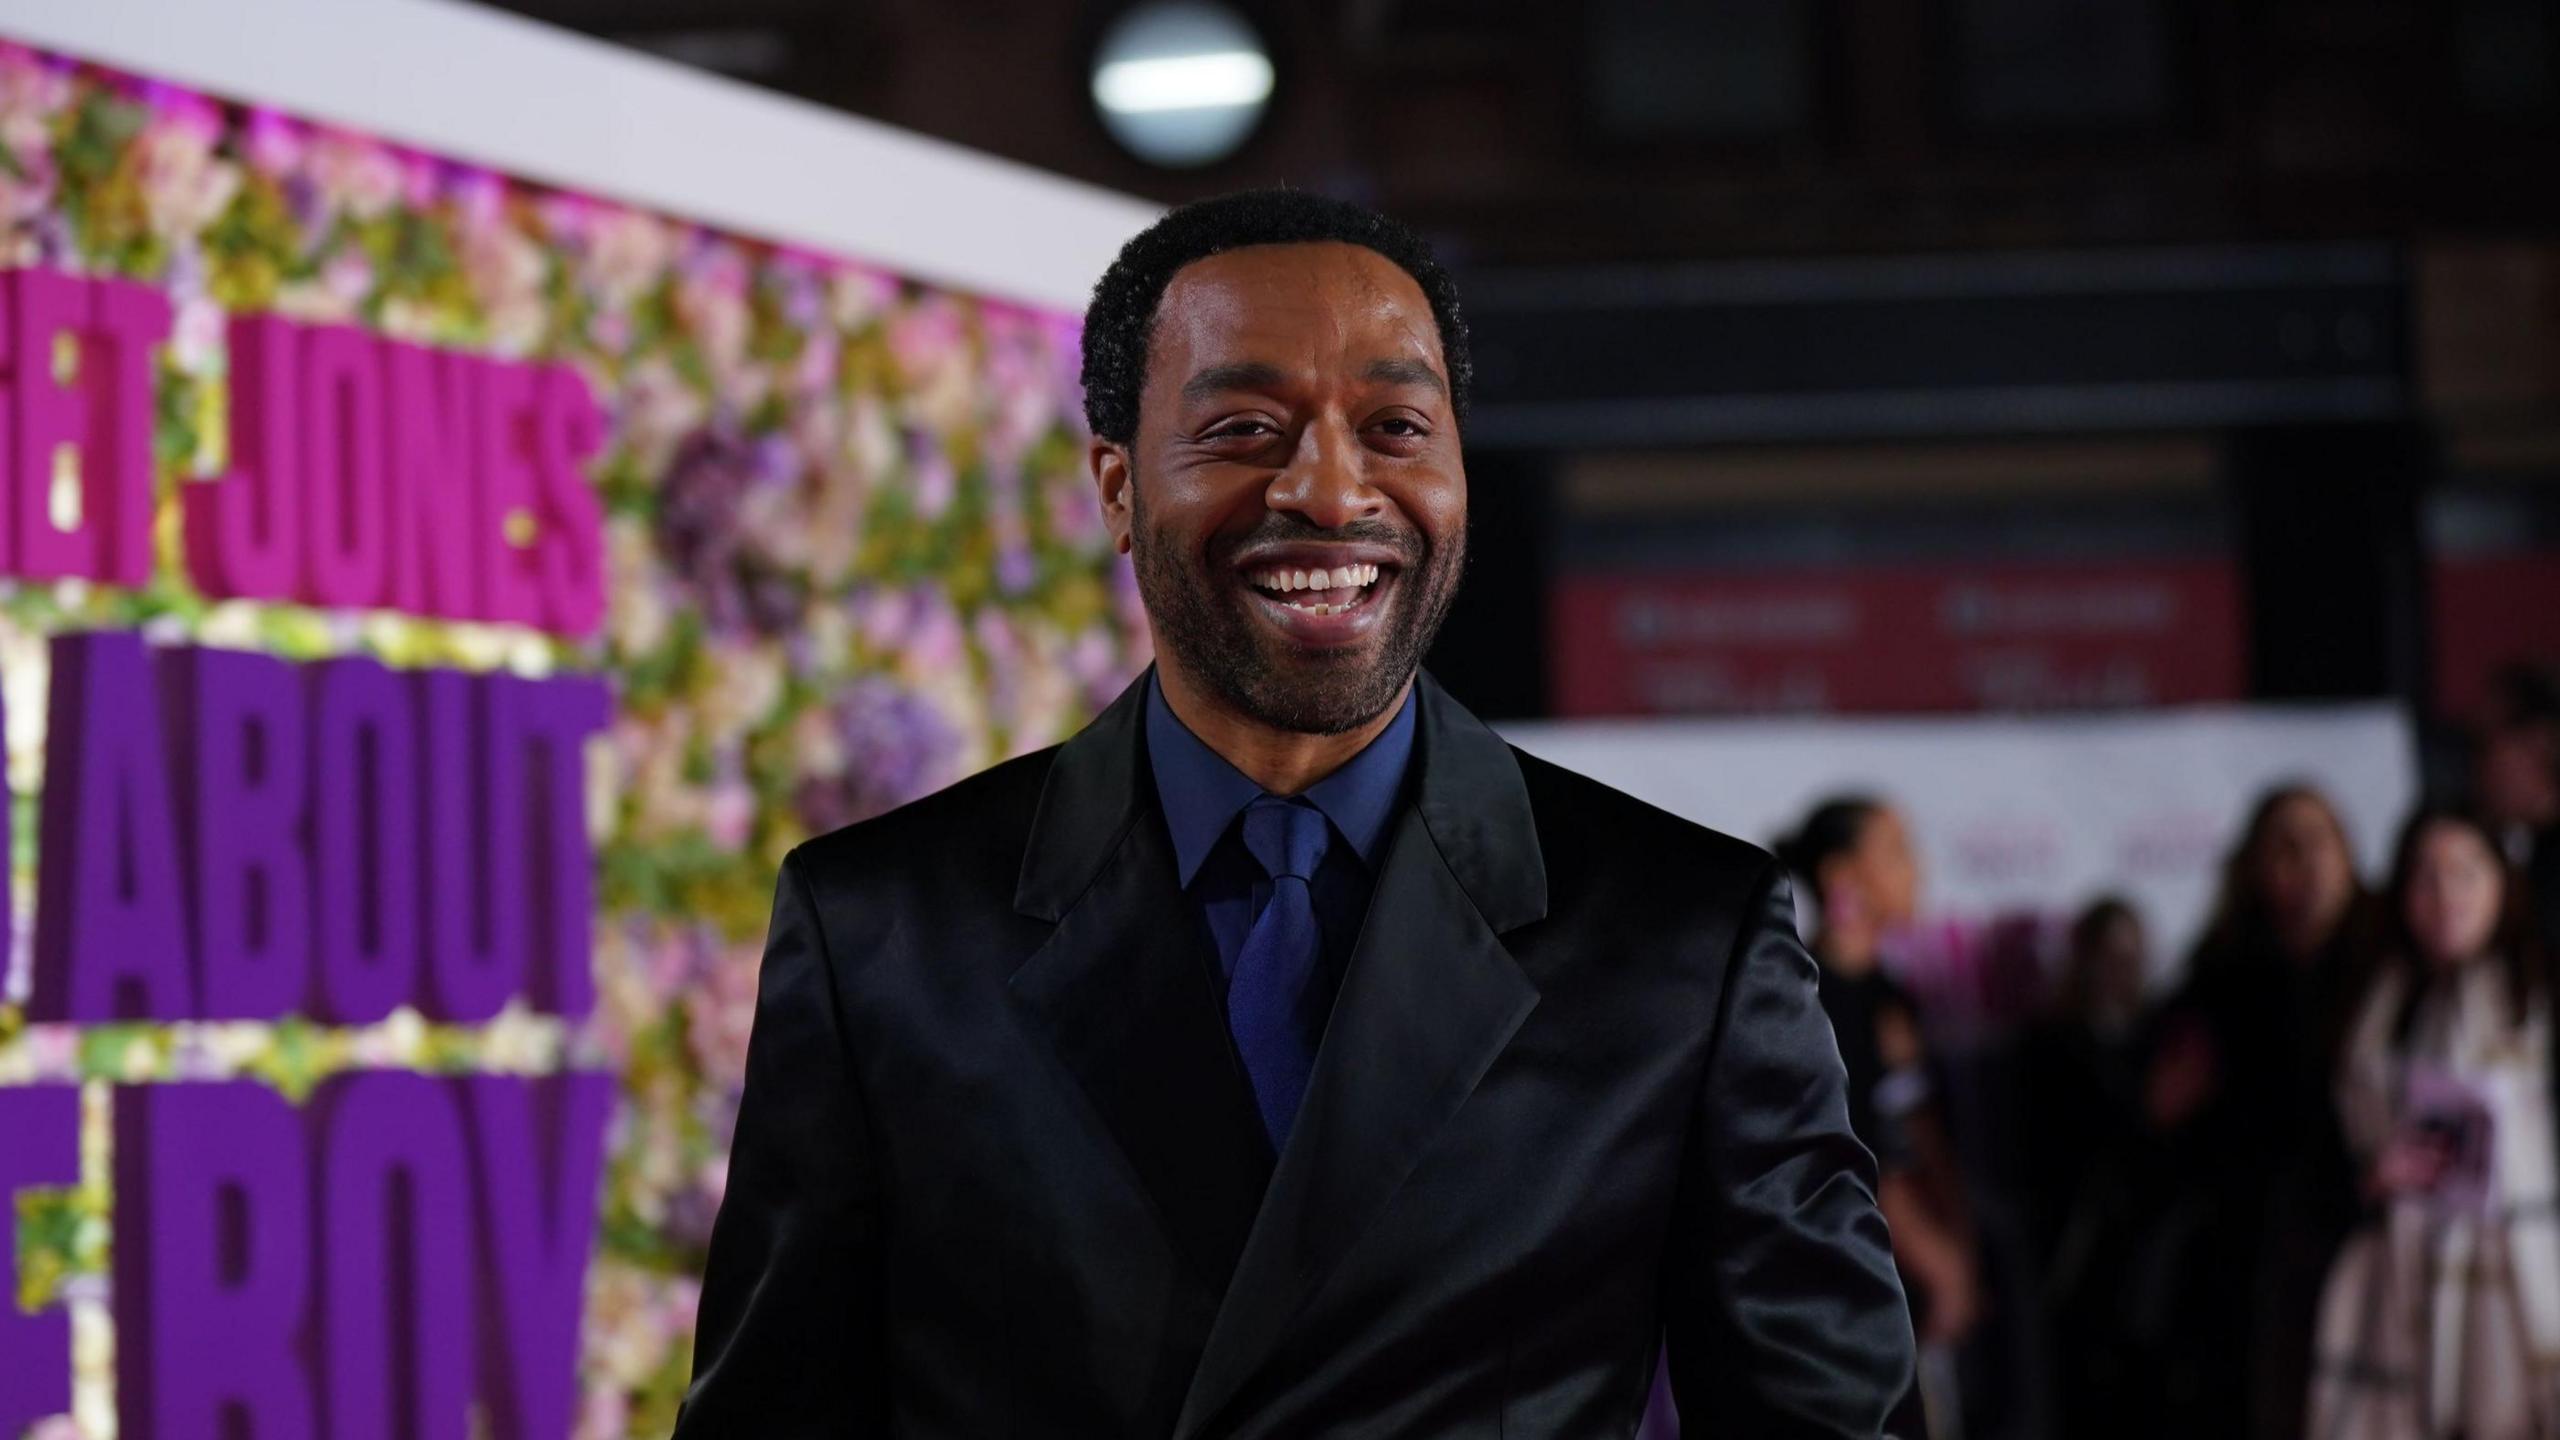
997 1171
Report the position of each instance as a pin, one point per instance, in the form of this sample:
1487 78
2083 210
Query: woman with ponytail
1852 858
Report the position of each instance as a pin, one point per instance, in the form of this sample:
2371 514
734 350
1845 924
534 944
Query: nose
1326 480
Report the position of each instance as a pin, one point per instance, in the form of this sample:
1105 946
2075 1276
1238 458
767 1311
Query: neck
1282 762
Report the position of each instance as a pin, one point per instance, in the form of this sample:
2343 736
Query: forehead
1300 306
2449 839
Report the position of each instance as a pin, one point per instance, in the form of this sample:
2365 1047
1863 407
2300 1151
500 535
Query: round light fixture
1181 83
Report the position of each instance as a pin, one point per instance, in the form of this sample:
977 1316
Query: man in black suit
1285 1054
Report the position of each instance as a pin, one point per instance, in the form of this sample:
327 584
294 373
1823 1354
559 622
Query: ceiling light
1181 83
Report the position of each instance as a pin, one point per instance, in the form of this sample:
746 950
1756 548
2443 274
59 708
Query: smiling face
1293 498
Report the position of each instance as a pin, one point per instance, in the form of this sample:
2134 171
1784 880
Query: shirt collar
1202 794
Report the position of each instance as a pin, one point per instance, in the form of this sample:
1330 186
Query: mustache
1279 527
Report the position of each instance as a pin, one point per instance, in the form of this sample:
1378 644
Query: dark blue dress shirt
1202 795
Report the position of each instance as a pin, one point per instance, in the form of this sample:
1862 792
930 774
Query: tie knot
1288 837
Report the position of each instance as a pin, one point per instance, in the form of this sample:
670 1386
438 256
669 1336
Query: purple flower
897 748
1016 568
480 196
698 528
701 534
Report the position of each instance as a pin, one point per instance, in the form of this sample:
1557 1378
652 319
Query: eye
1240 429
1403 427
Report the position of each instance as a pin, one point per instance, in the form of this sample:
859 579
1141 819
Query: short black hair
1122 317
1835 827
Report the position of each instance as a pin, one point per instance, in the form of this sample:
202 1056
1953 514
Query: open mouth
1318 592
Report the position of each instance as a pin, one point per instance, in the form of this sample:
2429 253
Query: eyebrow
1245 375
1258 375
1407 372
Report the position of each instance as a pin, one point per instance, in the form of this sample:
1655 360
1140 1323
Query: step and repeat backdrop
433 604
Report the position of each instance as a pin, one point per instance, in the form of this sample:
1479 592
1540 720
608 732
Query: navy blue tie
1267 1001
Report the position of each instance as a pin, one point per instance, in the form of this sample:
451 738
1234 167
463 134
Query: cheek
2476 913
1184 508
1435 501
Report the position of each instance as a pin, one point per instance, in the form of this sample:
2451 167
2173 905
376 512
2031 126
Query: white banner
2023 814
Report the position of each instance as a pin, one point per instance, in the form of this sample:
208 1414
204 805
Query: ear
1116 480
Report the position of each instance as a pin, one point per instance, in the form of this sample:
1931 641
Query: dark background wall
1831 289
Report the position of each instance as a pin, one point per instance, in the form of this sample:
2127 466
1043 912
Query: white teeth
1343 577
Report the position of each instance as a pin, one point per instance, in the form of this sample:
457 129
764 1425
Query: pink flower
33 90
937 641
815 372
1094 661
506 269
356 175
1075 512
185 187
711 299
28 195
480 199
996 639
730 816
628 257
926 337
348 275
275 143
196 338
421 178
566 217
181 109
884 617
54 1051
857 296
933 483
719 1015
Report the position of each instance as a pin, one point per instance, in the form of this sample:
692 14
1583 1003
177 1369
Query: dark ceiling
1630 129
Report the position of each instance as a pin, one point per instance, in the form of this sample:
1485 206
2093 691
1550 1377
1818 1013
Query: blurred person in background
1853 855
2442 1314
2087 1155
2518 784
2259 1191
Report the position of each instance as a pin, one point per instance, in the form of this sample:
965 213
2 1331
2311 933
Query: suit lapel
1122 989
1428 1002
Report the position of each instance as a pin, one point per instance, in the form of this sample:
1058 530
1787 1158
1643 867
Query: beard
1204 620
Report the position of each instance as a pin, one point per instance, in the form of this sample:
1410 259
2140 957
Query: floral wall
851 553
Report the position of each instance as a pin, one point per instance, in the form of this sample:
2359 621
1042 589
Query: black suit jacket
998 1172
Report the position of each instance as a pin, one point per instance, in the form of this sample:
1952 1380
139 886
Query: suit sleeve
790 1339
1783 1314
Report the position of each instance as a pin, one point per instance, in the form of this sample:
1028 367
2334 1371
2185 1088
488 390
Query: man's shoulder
978 823
1590 827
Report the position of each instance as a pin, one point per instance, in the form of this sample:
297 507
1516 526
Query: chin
1311 691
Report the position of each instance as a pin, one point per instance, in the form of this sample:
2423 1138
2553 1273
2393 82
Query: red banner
1907 638
2491 608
